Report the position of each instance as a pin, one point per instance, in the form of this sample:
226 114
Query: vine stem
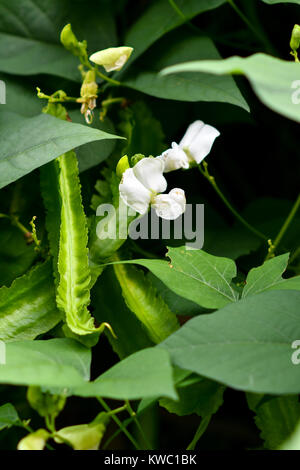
284 228
138 425
119 423
212 181
295 255
246 21
199 433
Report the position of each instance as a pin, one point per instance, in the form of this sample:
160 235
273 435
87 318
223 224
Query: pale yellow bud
112 58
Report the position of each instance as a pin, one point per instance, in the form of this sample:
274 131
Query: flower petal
174 158
170 206
112 58
191 133
203 142
149 172
134 193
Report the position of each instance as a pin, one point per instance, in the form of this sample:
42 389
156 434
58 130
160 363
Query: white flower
170 206
193 147
141 186
112 58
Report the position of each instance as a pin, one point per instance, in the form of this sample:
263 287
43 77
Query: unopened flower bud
89 88
112 58
295 38
71 43
122 166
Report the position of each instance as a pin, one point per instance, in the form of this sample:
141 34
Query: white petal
202 144
149 171
134 193
170 206
191 133
174 158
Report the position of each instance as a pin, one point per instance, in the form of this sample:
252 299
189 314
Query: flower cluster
142 186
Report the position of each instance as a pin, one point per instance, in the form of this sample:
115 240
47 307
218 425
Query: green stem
246 21
212 181
284 228
138 425
182 16
110 101
119 423
295 255
199 433
107 79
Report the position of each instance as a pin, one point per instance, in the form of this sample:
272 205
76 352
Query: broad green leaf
143 75
146 373
269 277
54 363
276 417
196 275
265 276
28 143
177 304
196 395
8 416
143 300
246 345
110 307
142 130
94 153
16 256
20 96
160 18
29 34
27 307
275 81
272 2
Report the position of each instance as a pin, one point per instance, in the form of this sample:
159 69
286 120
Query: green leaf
146 373
8 416
29 34
269 277
196 275
94 153
265 276
273 80
143 131
246 345
54 363
28 308
110 307
20 97
16 256
276 417
272 2
160 18
200 396
177 304
143 76
144 301
28 143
